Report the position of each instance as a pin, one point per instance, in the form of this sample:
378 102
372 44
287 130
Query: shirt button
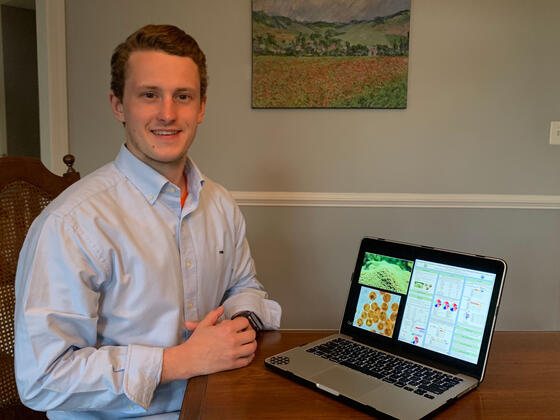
189 305
188 264
171 190
150 197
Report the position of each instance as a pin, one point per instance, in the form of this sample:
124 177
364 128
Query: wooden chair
26 187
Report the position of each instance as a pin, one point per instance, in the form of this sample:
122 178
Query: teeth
165 132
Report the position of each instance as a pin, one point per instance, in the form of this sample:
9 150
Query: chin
169 157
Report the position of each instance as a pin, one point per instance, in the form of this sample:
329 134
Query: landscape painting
330 53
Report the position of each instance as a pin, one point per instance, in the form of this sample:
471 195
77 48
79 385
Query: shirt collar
195 178
150 182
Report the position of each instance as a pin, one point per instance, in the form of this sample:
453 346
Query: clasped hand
213 346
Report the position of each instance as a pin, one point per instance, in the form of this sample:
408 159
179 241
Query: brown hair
167 38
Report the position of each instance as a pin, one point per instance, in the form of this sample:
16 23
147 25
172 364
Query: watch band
253 319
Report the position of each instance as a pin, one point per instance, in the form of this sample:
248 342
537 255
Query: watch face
253 319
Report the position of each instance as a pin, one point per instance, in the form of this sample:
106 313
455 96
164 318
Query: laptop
415 335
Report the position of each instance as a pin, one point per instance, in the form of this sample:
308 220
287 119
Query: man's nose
167 111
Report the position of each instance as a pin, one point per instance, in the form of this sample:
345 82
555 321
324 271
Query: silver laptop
415 334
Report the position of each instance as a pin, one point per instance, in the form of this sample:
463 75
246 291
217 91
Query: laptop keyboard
402 373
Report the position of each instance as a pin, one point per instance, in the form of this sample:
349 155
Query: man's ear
202 110
117 107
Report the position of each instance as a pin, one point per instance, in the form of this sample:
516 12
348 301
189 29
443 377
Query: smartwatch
253 319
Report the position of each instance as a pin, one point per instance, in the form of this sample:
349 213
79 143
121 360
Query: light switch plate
555 132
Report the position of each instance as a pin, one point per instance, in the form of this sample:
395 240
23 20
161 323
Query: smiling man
161 107
139 276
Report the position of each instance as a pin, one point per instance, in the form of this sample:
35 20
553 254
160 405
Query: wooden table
522 381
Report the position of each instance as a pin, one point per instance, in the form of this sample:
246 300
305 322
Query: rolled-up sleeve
58 362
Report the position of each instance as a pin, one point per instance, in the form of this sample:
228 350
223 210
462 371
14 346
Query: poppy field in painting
329 82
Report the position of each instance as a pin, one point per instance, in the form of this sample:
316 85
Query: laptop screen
418 297
446 306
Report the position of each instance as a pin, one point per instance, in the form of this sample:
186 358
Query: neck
174 175
173 171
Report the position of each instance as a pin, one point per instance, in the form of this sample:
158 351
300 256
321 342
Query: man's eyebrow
148 87
185 89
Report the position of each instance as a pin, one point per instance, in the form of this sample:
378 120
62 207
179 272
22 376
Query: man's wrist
253 319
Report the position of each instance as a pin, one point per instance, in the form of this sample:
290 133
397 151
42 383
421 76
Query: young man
132 281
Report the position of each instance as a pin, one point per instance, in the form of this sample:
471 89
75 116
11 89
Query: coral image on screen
386 273
377 311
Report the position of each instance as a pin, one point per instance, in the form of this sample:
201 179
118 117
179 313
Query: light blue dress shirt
109 273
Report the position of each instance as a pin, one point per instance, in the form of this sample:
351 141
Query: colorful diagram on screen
386 273
445 305
377 311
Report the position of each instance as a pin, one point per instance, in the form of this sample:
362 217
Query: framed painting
330 53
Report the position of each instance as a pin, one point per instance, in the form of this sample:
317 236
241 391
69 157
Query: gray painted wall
483 89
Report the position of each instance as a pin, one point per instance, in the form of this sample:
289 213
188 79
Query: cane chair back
26 188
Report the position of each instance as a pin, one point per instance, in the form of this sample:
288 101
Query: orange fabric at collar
185 191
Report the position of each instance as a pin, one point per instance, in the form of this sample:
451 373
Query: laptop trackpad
346 381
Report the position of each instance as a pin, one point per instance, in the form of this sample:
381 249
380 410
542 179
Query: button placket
188 272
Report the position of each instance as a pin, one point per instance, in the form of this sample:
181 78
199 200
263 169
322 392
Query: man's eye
183 97
149 95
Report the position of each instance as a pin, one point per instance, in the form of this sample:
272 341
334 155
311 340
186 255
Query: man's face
161 107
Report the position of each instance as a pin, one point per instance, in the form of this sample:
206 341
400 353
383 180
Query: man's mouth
165 132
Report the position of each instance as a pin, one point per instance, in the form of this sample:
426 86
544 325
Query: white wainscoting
319 199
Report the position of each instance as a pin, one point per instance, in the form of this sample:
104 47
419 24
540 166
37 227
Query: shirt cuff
142 374
267 310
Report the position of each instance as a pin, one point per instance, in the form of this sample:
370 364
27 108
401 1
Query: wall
20 81
482 91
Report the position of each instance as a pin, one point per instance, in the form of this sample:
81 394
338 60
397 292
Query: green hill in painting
279 35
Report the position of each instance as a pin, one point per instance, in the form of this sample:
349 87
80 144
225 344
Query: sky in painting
330 10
